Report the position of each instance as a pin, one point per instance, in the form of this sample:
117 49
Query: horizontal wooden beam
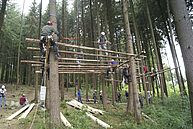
30 62
65 63
81 47
82 54
70 72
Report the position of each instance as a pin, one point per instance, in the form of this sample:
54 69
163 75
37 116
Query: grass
173 113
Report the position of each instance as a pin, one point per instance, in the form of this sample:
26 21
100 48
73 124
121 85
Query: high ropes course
82 59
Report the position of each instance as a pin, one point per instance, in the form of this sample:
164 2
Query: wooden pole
54 91
36 87
113 87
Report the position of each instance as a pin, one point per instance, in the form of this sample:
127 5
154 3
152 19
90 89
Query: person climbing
145 69
3 96
23 100
79 96
126 74
102 41
48 30
95 96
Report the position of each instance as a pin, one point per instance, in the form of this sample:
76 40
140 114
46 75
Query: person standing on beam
102 41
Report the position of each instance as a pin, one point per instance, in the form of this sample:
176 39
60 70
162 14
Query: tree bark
2 13
184 33
137 112
36 87
173 50
156 52
54 83
139 50
113 87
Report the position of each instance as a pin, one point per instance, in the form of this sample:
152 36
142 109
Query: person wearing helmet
102 41
48 30
3 95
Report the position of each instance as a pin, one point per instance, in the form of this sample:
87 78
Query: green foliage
78 119
174 113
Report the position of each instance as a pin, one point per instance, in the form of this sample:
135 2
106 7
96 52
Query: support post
54 92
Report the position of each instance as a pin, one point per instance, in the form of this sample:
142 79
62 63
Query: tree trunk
2 13
104 91
156 52
139 50
137 112
91 23
36 86
110 16
87 87
54 83
61 87
184 32
54 92
113 87
173 51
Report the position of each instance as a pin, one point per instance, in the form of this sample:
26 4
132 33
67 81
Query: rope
34 117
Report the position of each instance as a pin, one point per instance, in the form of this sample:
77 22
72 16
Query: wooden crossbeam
76 72
64 63
31 62
81 47
82 69
95 55
79 67
82 54
86 54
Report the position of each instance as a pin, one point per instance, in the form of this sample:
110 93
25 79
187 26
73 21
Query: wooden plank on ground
79 105
18 112
24 115
98 121
65 121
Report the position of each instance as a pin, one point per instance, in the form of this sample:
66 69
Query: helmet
102 33
49 23
3 87
23 94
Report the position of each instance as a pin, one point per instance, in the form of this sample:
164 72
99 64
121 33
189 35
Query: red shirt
145 69
22 100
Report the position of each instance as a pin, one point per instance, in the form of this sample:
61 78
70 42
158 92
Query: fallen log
79 105
18 112
65 121
24 115
147 117
98 121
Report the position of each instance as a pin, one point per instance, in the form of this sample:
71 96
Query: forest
104 65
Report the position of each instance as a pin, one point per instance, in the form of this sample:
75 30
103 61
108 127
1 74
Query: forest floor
174 113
